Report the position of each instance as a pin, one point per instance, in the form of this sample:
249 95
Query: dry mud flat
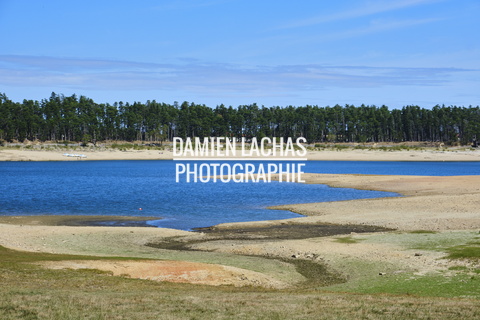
264 253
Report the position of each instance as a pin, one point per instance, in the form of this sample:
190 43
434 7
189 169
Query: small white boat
74 155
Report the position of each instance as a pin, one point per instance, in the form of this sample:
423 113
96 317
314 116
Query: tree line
72 118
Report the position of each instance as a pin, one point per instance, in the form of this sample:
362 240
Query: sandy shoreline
430 203
452 154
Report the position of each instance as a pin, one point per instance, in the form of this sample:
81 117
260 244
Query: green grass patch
348 239
423 231
456 245
341 147
470 251
11 259
367 277
424 240
370 277
134 146
439 285
458 268
469 270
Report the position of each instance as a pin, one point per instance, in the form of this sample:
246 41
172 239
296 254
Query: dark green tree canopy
73 118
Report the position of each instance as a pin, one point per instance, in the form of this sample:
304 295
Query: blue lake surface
434 168
122 187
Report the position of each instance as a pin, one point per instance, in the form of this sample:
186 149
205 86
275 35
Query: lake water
123 187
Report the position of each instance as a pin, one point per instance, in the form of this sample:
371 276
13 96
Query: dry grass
31 292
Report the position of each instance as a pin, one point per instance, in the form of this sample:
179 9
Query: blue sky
273 53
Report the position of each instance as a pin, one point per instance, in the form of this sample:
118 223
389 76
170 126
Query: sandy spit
428 203
424 203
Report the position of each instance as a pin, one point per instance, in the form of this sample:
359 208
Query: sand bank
452 154
428 203
403 155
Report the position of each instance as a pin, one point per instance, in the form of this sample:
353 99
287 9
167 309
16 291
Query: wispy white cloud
205 79
370 8
69 64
